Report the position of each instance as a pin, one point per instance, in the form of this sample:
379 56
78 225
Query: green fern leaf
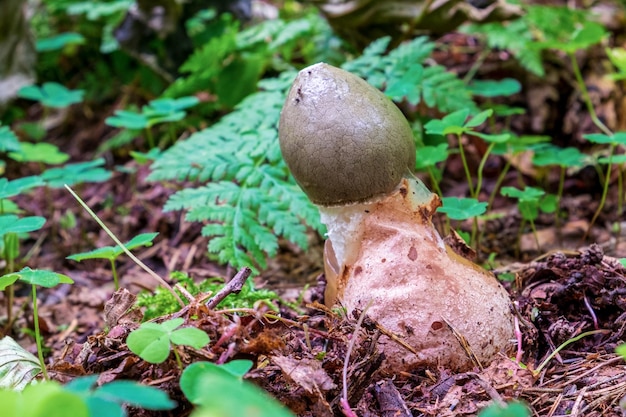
404 74
251 200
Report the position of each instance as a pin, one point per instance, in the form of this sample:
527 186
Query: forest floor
566 288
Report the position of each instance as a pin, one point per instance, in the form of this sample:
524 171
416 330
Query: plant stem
470 183
114 272
481 166
499 182
38 334
434 181
178 360
605 191
534 229
587 99
150 138
559 195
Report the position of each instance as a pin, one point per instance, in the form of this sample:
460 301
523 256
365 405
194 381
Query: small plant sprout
113 252
457 123
231 394
613 140
12 228
51 95
430 156
529 201
157 111
36 277
563 158
153 341
498 88
620 160
354 160
463 209
43 153
108 399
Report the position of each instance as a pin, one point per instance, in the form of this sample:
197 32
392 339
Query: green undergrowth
160 302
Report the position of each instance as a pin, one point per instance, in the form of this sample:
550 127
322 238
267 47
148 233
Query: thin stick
126 251
233 286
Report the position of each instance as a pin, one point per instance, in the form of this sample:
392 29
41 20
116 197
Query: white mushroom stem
387 254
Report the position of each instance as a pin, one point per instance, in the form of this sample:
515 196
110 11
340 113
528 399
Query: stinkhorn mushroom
352 152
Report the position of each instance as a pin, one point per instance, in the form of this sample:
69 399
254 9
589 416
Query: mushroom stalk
352 151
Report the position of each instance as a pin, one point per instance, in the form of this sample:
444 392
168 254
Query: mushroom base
396 265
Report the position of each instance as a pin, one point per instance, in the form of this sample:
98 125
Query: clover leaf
462 208
51 94
152 341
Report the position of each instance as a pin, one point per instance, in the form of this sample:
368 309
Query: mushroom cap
343 140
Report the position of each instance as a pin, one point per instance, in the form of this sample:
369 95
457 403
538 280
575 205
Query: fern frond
405 74
251 200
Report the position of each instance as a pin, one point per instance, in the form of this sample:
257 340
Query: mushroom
352 151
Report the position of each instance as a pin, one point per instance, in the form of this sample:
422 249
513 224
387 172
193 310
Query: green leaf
234 397
18 367
105 252
70 174
136 395
453 120
492 138
142 239
10 223
407 75
151 344
492 88
8 141
43 278
128 119
59 41
151 341
479 119
7 280
613 159
51 94
237 367
46 153
107 400
512 409
250 199
113 252
563 157
190 336
10 189
46 399
619 138
527 194
169 105
621 348
462 208
429 156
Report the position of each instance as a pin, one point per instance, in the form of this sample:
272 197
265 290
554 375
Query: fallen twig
233 286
